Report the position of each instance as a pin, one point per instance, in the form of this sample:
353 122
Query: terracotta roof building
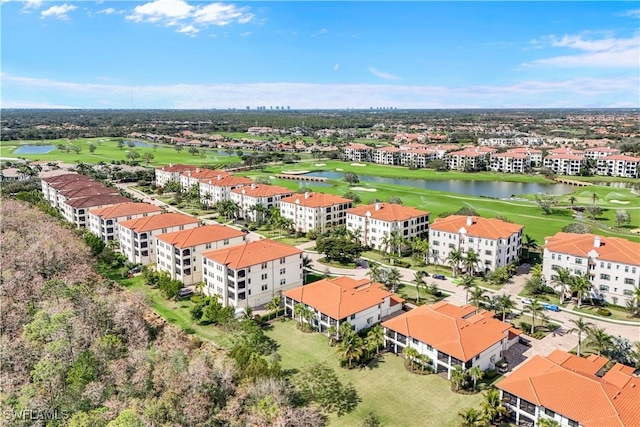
171 172
497 243
249 197
451 336
361 303
218 189
572 391
619 165
180 252
315 211
251 274
103 222
613 263
376 224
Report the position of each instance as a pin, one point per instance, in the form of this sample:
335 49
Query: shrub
538 335
524 326
603 312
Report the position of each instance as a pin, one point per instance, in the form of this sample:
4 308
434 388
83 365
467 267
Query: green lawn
397 396
617 313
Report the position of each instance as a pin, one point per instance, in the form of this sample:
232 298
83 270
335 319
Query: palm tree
529 244
418 279
199 287
304 315
454 258
375 271
467 283
470 261
572 200
594 197
478 296
351 348
492 407
599 339
476 375
563 279
375 338
306 265
332 332
580 285
535 308
260 212
420 248
385 243
547 422
458 376
471 417
392 279
410 354
274 304
505 304
580 327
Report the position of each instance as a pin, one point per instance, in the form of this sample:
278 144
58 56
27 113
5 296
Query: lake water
141 143
493 189
34 149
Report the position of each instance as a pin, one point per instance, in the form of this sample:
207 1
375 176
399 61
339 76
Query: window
264 265
283 282
264 276
435 243
353 316
608 266
549 412
283 270
488 253
282 260
263 287
604 288
605 277
555 267
578 260
628 292
415 341
207 246
573 423
628 281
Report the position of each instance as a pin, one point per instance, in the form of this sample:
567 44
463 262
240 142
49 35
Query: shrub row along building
603 161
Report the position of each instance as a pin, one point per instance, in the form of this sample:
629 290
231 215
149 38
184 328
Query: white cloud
320 33
608 52
382 74
31 4
172 13
246 34
60 12
31 104
189 30
109 11
335 67
635 13
612 91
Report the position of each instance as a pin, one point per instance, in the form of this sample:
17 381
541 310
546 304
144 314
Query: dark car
184 293
244 230
524 341
439 276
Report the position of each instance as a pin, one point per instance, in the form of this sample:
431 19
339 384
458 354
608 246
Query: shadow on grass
189 331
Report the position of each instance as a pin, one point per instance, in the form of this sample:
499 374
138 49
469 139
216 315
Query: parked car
551 307
135 270
526 301
439 276
524 341
185 292
244 230
503 368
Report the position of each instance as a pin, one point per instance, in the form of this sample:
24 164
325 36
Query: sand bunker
321 164
358 164
295 172
339 169
620 202
363 189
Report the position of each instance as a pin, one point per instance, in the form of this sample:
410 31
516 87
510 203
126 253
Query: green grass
399 397
617 313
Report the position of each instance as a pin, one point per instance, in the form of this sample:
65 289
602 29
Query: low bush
603 312
538 335
524 326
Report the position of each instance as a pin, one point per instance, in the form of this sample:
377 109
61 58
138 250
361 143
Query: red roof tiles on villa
253 253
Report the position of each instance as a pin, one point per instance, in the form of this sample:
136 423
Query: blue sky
201 54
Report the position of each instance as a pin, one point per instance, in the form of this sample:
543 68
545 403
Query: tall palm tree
385 243
492 408
478 296
572 201
274 304
397 241
581 327
530 245
580 285
332 332
410 354
470 261
476 374
467 283
420 249
594 198
375 271
304 315
375 338
351 348
599 339
306 265
505 304
562 279
535 308
199 287
454 258
458 376
392 279
471 417
418 279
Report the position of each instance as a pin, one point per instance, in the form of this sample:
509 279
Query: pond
493 189
34 149
140 143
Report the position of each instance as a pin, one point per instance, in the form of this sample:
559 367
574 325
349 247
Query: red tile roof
157 222
621 157
387 212
177 168
97 200
204 173
340 297
591 401
67 176
222 180
456 331
125 209
86 191
199 235
486 228
611 248
262 190
316 200
253 253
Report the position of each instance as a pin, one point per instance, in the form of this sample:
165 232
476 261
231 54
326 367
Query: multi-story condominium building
509 162
565 164
613 263
599 152
172 172
251 274
357 153
473 158
535 156
572 390
76 210
375 224
250 196
386 156
79 189
451 336
361 303
565 150
417 157
219 188
137 236
51 185
193 177
497 243
103 222
619 165
179 253
315 211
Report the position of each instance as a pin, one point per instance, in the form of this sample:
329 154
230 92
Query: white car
526 301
